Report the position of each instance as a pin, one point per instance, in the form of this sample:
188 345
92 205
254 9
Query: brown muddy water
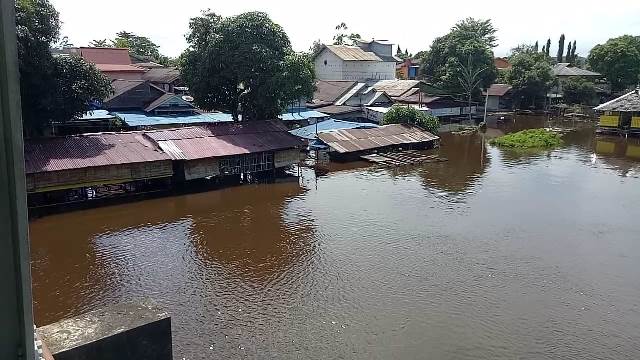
491 255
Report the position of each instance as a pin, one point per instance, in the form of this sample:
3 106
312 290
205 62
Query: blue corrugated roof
309 132
143 119
96 115
303 115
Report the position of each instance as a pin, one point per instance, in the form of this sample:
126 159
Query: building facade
367 61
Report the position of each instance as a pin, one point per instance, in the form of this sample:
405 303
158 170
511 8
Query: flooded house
91 166
351 144
621 114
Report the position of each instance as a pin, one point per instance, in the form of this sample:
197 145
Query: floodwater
491 255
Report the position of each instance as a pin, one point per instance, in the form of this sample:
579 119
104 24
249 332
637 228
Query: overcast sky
410 24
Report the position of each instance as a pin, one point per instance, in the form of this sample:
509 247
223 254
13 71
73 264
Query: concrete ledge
124 331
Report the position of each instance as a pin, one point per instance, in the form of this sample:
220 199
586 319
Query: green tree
399 114
574 58
100 43
530 75
244 65
578 91
568 57
548 48
535 47
53 89
469 38
342 38
618 60
316 47
560 54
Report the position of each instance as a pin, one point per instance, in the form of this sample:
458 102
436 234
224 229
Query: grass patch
529 139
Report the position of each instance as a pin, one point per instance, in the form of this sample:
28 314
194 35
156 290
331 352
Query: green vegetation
409 115
53 89
529 139
470 42
244 65
619 60
579 91
530 76
139 46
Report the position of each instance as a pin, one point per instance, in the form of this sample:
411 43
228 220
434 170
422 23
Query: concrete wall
328 66
338 69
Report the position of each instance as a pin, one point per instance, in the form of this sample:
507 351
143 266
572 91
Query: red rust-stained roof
352 140
98 55
224 139
90 150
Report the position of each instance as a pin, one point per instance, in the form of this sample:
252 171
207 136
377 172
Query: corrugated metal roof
96 115
331 90
224 139
626 102
352 140
498 89
81 151
119 68
144 119
162 75
394 88
352 53
303 115
309 132
565 69
99 55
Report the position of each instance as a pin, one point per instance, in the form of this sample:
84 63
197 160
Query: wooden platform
401 158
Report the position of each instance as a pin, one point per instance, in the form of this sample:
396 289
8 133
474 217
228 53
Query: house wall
381 49
368 70
100 175
332 69
201 168
286 158
123 75
493 103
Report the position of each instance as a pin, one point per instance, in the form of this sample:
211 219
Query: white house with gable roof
369 60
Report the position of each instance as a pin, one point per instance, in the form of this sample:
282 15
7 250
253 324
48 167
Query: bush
578 91
529 139
399 114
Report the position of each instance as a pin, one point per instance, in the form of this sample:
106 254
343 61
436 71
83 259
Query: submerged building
621 114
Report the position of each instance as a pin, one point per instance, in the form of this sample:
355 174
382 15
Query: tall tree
573 53
544 49
535 47
53 89
244 65
342 38
548 49
568 57
560 55
619 60
316 47
530 75
398 51
469 38
470 78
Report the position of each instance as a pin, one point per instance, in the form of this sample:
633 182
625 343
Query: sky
411 25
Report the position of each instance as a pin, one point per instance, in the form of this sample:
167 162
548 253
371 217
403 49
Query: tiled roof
352 53
81 151
114 56
352 140
627 102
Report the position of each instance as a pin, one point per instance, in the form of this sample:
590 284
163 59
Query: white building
369 60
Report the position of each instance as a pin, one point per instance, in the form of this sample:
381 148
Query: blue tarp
143 119
303 115
309 132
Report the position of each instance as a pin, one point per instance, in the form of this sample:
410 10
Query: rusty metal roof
119 68
101 55
352 140
161 74
90 150
224 139
352 53
498 89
